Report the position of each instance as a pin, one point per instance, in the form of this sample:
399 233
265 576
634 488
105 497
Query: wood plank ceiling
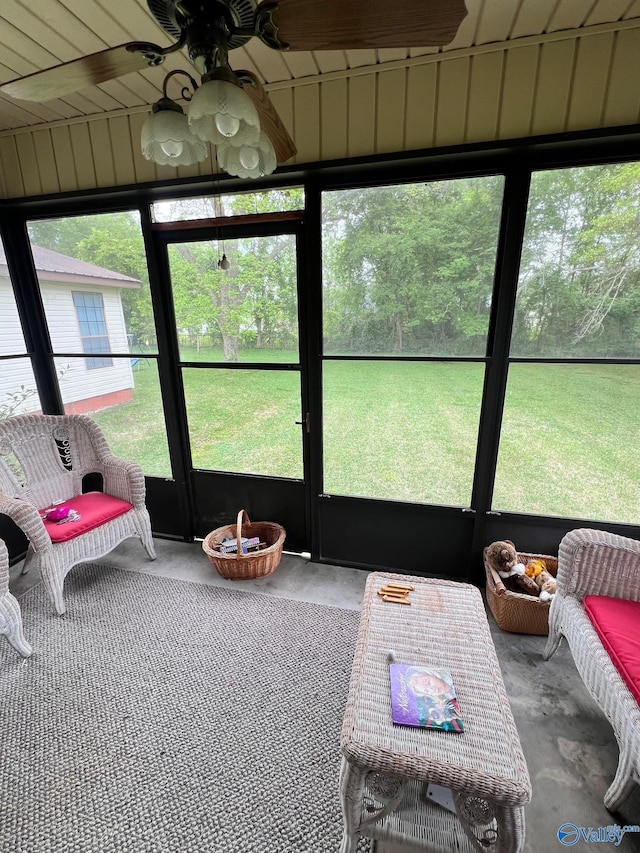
38 35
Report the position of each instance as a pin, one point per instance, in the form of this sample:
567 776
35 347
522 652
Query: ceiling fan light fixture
167 139
249 157
221 112
249 161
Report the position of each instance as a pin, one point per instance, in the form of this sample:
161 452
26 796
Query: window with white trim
93 327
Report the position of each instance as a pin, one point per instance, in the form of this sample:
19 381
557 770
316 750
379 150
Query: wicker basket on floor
518 612
255 564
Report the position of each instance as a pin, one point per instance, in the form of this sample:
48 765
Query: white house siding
18 394
11 340
77 382
15 373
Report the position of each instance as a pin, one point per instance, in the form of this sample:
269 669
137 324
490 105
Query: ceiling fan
209 29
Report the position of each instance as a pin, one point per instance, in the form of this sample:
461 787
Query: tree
255 300
410 268
256 294
207 296
579 285
113 241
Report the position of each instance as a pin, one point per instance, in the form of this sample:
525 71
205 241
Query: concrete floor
569 746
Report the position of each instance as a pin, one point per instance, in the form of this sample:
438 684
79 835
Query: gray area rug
162 716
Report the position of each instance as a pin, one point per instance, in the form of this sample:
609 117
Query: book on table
424 697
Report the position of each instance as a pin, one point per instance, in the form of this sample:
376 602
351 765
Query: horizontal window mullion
238 365
477 359
523 360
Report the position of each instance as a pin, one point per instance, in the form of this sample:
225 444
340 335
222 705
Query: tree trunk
397 343
259 341
230 347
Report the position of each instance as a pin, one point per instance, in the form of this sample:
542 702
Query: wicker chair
46 460
10 618
593 562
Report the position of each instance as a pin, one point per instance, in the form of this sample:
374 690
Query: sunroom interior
418 335
515 143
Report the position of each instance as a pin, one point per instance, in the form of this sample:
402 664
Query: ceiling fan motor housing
206 20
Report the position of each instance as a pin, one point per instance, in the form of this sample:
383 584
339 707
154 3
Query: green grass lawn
570 441
408 431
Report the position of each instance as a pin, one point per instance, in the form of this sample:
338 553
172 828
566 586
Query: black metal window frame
517 160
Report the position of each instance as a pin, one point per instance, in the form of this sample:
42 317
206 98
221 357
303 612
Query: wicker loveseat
48 460
597 609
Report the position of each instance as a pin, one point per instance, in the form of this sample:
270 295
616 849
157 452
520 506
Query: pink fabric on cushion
617 622
95 508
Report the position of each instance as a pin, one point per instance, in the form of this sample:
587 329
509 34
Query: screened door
234 301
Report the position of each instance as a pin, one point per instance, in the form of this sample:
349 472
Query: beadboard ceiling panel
515 68
38 35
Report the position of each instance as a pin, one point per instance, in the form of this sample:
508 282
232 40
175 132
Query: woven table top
445 626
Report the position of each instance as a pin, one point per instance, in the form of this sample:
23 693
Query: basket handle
498 587
239 530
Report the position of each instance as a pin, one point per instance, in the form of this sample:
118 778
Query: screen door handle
306 422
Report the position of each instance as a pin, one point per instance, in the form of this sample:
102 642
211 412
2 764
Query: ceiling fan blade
353 24
89 70
270 121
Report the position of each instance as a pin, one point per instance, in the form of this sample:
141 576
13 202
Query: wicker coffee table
386 769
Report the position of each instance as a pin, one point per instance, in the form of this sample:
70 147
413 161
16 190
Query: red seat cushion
617 622
94 508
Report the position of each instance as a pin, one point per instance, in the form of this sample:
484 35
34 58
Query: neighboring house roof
52 266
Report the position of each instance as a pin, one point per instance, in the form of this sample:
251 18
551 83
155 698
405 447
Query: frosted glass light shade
221 113
234 159
167 140
249 157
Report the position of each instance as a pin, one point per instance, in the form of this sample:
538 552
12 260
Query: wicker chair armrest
595 562
27 518
124 479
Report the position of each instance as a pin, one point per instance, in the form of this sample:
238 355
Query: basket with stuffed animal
520 587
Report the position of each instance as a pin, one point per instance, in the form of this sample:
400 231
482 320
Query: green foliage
212 207
254 300
579 287
112 241
410 268
407 269
14 401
